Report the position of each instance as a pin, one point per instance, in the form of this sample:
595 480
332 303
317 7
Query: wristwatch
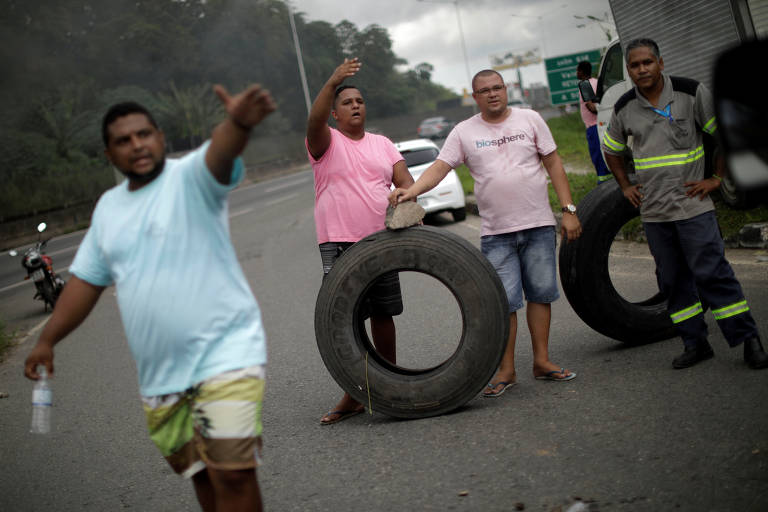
570 208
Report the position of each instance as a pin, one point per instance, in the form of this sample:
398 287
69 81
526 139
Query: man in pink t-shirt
353 171
589 116
504 149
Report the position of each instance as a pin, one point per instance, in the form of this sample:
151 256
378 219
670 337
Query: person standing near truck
666 116
589 116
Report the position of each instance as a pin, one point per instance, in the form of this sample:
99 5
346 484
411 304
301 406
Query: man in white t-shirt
354 171
504 149
193 325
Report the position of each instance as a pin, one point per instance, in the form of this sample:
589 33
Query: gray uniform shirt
667 147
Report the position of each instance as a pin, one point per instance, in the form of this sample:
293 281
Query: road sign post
561 75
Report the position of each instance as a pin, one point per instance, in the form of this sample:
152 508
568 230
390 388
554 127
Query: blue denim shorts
525 261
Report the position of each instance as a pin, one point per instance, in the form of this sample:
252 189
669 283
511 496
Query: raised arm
318 133
244 111
570 225
73 306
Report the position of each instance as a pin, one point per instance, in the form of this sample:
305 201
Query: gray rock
405 215
754 236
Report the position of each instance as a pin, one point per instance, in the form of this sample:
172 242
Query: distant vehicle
518 103
435 128
448 195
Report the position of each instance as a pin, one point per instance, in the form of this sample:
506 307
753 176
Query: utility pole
299 58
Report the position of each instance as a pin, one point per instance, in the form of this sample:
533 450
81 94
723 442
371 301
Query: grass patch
581 185
731 221
467 182
6 339
571 138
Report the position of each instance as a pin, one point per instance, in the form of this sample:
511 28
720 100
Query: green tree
424 71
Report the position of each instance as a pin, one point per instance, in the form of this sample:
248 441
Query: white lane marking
284 185
240 212
62 251
303 176
70 235
281 199
33 330
12 286
27 282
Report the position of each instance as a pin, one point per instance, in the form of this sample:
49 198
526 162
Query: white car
448 195
518 103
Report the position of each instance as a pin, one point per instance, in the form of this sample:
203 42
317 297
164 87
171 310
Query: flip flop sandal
340 416
494 394
551 375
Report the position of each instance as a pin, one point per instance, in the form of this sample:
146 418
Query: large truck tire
586 281
372 380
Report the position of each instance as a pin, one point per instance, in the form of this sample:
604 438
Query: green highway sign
561 75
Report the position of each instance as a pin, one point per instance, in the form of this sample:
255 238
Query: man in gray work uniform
666 117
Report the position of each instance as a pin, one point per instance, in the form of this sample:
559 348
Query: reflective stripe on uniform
732 310
711 126
669 160
613 144
685 314
605 177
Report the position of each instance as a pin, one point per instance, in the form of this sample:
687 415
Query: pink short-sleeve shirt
352 183
589 118
505 162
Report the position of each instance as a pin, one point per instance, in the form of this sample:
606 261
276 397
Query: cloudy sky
428 30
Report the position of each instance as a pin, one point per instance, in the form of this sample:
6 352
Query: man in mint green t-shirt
192 323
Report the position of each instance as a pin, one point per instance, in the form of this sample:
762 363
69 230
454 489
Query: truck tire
586 281
402 392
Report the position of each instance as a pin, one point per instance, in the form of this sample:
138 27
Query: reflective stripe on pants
691 269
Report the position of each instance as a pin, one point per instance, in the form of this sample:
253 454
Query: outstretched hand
400 195
247 108
346 69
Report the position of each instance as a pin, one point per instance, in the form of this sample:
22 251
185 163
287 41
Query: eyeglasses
486 90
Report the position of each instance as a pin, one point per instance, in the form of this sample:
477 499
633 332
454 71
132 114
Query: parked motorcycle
39 267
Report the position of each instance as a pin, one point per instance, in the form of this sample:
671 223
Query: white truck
691 34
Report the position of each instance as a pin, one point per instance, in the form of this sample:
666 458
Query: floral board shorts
215 423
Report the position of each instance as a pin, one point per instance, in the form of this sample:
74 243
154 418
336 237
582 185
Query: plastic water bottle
42 400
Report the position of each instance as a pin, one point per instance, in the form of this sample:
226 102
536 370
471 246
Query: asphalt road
628 434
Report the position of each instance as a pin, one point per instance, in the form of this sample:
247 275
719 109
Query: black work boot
693 354
754 354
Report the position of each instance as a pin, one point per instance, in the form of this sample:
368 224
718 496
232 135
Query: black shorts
383 297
